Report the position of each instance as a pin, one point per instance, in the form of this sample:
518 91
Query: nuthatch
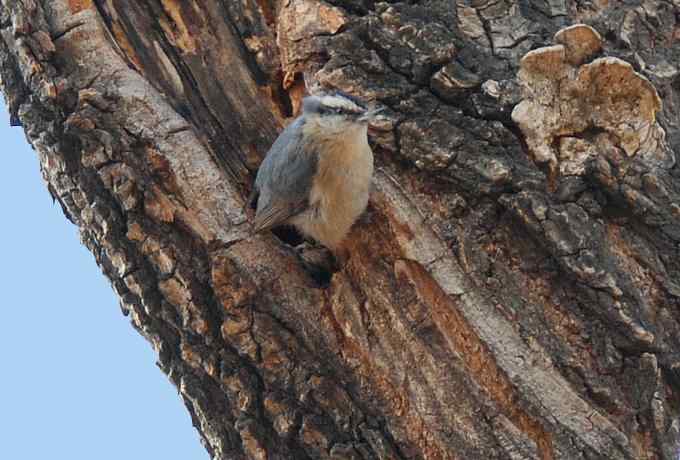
316 175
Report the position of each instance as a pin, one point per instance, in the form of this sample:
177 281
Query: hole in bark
281 98
288 235
317 261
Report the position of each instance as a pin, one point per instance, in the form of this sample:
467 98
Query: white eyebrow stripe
340 102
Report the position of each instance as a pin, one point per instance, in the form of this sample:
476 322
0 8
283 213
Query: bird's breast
344 168
342 182
339 192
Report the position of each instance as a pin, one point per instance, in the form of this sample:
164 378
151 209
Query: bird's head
337 111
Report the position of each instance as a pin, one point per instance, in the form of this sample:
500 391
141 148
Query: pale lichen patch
567 105
581 42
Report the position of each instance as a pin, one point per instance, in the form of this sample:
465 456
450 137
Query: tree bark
513 291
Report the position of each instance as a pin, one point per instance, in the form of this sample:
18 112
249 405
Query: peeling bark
514 289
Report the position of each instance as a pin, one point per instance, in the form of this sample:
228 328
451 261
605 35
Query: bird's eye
327 110
331 110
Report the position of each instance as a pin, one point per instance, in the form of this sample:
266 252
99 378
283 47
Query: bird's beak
370 114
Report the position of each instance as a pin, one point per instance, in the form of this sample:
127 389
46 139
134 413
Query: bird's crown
333 103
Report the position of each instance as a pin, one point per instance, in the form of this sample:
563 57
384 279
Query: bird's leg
318 261
366 217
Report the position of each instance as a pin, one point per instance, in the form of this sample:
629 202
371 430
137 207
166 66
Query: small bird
317 174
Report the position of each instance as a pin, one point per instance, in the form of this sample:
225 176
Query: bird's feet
318 261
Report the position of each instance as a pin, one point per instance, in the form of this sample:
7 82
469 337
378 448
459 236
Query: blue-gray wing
284 179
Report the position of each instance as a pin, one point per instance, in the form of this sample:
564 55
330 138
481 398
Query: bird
317 174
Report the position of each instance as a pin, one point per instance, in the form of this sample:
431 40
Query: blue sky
76 381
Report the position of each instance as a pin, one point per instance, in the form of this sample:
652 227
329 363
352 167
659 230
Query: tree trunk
514 289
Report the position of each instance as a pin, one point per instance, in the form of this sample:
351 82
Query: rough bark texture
512 293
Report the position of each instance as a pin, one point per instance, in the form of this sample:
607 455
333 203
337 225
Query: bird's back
284 179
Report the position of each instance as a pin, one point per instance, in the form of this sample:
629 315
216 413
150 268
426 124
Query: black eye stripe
327 110
337 110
